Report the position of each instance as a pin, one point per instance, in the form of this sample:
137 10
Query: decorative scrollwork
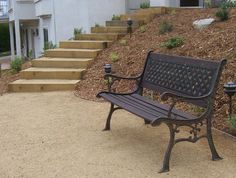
194 132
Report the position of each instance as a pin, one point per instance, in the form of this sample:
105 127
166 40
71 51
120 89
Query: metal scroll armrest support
112 78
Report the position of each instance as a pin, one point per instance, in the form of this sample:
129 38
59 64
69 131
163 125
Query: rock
202 23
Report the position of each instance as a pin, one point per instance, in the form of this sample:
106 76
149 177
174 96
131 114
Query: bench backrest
181 75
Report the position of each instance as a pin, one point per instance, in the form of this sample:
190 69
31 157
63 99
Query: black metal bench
178 79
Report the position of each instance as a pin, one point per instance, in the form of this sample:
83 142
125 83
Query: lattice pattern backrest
180 75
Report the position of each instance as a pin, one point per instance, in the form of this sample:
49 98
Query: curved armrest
166 95
119 77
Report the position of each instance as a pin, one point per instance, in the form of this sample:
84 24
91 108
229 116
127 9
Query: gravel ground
56 134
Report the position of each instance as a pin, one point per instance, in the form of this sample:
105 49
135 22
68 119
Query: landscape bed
213 43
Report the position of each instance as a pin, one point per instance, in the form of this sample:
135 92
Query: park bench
177 79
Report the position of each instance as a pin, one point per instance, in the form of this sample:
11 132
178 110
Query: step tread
44 81
64 59
87 41
44 69
102 34
82 50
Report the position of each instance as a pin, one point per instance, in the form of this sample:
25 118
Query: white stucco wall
72 14
22 10
156 3
43 7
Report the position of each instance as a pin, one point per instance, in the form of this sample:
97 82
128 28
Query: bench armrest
166 95
179 98
112 78
120 77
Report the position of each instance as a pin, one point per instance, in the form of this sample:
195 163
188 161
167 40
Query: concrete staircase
62 68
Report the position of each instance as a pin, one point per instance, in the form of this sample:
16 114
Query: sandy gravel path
50 135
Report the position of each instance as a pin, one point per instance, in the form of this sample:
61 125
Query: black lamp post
129 28
230 90
107 68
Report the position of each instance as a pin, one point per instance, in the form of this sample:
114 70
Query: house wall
21 9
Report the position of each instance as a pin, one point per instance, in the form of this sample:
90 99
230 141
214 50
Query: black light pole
129 28
230 90
107 70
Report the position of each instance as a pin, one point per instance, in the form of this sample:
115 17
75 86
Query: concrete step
109 29
62 62
82 44
120 23
51 73
100 36
72 53
41 85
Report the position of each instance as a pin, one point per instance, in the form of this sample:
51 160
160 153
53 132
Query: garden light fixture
107 68
129 28
230 90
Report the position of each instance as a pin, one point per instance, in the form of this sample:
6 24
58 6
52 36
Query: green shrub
114 57
49 45
142 29
77 31
165 27
228 4
16 64
223 13
123 42
232 123
97 25
4 38
173 43
115 17
144 5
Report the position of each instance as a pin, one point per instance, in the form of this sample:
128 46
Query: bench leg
166 161
215 155
108 122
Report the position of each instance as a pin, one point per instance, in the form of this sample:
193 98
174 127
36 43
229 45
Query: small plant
208 3
31 54
173 43
49 45
16 65
97 25
115 17
77 31
165 27
123 42
114 57
145 5
228 3
142 29
223 13
232 123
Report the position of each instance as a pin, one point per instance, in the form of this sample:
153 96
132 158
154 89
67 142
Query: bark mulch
7 77
216 42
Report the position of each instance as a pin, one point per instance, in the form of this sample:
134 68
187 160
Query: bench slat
144 108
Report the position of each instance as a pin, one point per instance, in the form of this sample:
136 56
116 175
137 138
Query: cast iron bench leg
215 155
108 123
166 161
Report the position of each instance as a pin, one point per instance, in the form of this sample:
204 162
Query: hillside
215 42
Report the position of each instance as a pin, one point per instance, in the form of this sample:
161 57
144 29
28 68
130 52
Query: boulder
203 23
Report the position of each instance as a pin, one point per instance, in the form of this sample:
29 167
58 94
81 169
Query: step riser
98 37
115 23
61 64
40 87
50 75
108 30
71 54
84 45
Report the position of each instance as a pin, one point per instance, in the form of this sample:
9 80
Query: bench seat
145 108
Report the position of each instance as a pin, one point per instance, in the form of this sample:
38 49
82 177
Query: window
45 34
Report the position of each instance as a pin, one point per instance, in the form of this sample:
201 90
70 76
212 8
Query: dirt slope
214 43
